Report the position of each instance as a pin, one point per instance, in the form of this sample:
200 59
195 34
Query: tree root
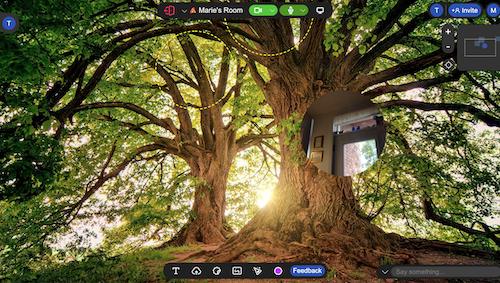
417 244
309 250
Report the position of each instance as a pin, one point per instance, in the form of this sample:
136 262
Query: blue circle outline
434 14
4 23
488 12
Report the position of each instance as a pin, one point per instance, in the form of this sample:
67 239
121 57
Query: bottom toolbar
244 270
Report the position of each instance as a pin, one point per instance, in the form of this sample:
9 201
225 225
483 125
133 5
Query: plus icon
448 31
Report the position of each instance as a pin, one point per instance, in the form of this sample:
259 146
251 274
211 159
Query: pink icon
169 10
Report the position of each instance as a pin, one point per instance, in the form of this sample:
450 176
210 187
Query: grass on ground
145 265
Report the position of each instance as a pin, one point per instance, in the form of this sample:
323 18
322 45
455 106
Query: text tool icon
176 269
257 270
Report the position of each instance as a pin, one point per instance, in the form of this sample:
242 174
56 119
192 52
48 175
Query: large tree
310 208
379 48
109 74
207 143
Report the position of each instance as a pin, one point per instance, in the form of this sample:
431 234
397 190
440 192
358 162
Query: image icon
237 270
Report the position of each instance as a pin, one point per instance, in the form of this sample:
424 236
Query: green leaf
31 130
46 125
33 109
350 25
362 49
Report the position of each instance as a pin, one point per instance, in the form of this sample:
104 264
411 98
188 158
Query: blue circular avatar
9 23
493 10
436 10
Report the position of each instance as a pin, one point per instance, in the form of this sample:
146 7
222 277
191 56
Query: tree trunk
207 224
310 211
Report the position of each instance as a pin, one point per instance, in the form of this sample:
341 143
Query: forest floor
412 251
146 265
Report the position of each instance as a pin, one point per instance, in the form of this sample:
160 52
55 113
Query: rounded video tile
343 133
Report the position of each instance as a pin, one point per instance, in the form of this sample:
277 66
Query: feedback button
307 270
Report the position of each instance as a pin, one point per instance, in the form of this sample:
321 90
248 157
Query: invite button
307 270
465 10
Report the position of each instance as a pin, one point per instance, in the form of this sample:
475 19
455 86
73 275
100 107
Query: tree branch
408 86
381 47
408 67
485 91
166 123
103 178
426 106
251 140
431 214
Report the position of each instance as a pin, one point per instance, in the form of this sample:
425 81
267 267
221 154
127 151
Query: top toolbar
200 10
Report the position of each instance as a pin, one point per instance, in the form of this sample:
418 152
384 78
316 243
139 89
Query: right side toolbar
209 10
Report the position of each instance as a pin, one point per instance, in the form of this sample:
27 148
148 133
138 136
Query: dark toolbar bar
244 270
200 10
